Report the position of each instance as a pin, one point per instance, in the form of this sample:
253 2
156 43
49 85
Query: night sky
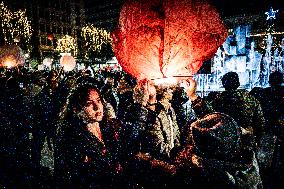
229 8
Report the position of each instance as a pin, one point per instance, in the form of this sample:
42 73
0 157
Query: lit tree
96 40
270 44
269 26
5 16
67 44
15 26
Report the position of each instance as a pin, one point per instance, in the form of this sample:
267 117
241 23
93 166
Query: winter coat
182 106
126 100
138 118
14 140
163 133
13 127
243 107
196 171
273 104
81 160
277 166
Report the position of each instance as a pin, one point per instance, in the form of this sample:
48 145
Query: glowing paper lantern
67 62
9 61
47 62
11 56
157 39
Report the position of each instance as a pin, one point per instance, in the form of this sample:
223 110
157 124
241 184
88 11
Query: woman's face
93 110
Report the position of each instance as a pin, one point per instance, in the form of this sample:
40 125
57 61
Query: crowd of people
108 130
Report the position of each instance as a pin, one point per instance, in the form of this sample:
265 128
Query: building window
54 28
49 42
43 40
63 5
61 30
47 15
41 13
64 30
78 21
42 28
48 29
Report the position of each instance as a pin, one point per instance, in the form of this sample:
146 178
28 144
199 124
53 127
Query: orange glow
10 62
11 56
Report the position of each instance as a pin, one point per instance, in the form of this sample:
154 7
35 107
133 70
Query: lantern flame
165 81
169 81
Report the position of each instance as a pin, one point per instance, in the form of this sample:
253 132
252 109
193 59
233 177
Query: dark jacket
163 133
243 107
81 160
272 102
203 172
126 101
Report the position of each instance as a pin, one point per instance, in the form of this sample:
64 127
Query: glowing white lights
94 37
14 25
47 62
67 44
165 81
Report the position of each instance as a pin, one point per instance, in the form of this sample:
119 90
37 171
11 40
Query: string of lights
15 25
94 38
67 44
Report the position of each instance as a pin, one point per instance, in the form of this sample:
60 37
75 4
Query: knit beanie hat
216 135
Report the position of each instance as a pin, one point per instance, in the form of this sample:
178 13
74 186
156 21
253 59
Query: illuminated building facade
54 19
253 49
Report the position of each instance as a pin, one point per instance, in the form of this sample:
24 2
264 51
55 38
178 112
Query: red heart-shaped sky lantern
164 38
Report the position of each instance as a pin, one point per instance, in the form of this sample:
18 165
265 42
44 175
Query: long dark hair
77 99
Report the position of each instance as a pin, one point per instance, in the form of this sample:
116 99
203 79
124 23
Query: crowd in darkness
105 129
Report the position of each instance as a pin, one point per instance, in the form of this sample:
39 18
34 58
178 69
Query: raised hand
190 86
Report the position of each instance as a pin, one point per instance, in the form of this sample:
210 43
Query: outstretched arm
199 106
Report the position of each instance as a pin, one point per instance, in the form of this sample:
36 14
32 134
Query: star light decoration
271 14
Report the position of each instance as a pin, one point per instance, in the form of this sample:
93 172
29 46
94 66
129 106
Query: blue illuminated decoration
271 14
